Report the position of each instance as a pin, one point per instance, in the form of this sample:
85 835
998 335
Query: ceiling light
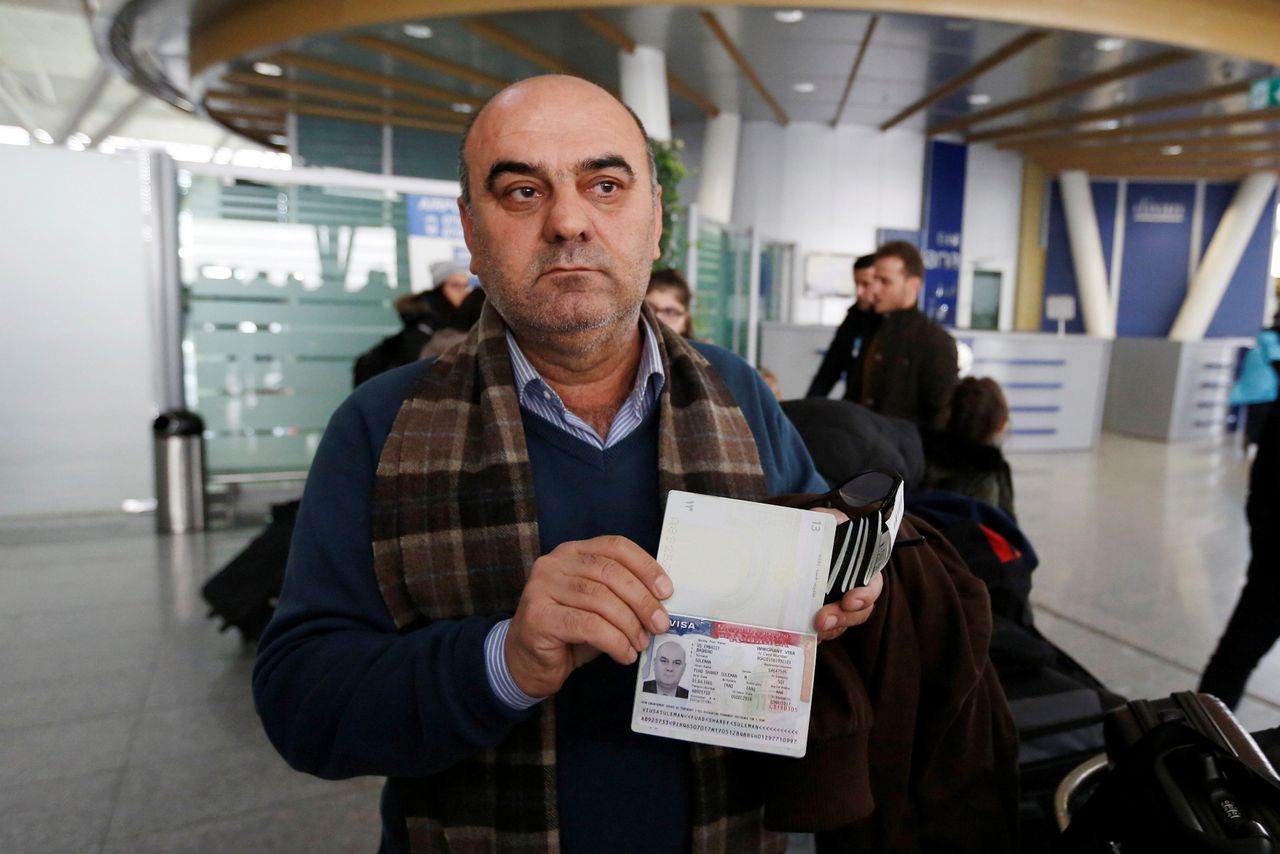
804 88
268 69
418 31
977 99
788 16
278 139
462 108
43 135
1171 150
1109 43
1109 124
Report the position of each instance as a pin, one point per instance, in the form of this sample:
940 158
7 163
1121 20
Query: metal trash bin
179 468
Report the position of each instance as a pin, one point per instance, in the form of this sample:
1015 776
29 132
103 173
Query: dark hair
464 181
669 279
864 261
908 254
978 410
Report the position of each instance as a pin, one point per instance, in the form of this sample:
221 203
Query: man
471 579
843 356
668 668
910 366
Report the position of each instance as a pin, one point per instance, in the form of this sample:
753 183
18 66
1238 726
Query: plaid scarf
455 532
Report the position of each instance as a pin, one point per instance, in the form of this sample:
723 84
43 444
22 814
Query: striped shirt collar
538 397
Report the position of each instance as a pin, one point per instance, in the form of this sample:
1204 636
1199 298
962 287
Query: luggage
243 593
1057 705
1183 776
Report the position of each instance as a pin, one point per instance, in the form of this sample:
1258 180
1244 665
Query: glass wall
283 287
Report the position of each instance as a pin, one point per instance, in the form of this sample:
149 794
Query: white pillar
1086 253
644 88
719 166
1223 255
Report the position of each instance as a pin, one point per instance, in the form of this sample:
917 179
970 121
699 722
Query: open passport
736 667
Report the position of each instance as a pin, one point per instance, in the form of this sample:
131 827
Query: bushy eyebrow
515 167
608 161
538 170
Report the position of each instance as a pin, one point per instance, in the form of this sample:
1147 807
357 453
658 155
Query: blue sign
943 222
434 216
1153 268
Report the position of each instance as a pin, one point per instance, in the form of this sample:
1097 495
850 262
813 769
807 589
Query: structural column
719 167
1086 254
644 88
1222 257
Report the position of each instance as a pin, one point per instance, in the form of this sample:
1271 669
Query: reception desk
1055 385
1171 390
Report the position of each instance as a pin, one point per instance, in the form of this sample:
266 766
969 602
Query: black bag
243 593
1184 777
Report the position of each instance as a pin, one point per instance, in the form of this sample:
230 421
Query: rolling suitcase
243 593
1183 776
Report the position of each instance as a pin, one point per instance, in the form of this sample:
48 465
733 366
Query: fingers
853 609
604 593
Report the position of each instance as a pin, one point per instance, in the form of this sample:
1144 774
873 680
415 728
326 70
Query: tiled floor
126 723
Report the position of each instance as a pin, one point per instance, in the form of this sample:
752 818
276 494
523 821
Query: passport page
741 562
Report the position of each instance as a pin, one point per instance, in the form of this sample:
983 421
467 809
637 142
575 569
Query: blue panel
943 224
1243 304
1059 268
1157 245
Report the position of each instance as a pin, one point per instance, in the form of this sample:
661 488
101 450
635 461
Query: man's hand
854 608
584 598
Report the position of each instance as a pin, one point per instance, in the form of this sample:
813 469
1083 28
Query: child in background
966 457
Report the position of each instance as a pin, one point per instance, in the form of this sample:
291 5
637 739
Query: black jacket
843 357
845 438
978 471
909 369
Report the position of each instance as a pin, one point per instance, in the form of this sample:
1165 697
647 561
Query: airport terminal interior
216 207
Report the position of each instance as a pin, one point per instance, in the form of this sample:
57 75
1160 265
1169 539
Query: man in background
910 367
843 358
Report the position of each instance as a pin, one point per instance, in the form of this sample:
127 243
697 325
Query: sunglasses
860 492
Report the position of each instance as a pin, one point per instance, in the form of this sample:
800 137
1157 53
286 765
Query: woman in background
669 297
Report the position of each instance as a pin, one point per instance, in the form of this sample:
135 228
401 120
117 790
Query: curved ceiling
1067 98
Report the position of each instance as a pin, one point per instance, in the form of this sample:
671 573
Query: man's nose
568 217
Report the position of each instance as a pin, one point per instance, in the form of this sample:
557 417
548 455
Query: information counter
1055 385
1171 390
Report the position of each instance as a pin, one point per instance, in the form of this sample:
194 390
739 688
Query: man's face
893 288
863 281
668 664
563 226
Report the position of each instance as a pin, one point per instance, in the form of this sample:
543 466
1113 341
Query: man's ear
657 223
465 214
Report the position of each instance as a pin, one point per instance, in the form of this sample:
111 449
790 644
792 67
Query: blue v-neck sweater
342 694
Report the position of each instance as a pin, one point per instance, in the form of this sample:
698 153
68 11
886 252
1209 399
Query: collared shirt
539 398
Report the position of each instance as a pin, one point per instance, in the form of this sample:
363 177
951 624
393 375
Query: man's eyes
523 193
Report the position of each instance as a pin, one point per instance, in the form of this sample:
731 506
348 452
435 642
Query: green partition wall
283 288
720 304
